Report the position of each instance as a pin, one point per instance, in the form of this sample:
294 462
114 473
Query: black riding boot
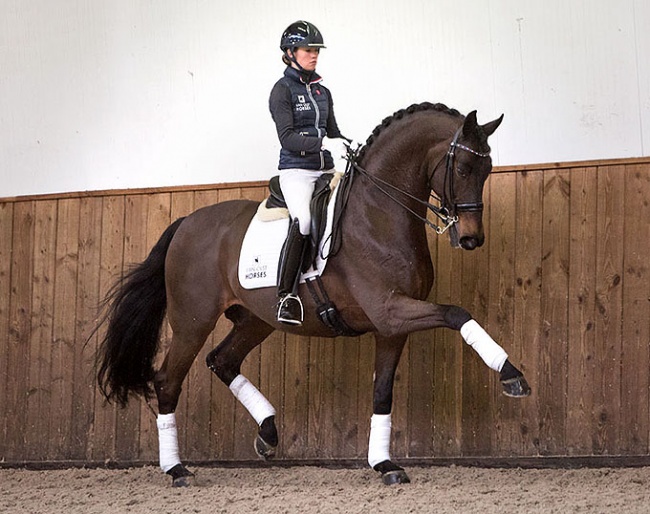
290 310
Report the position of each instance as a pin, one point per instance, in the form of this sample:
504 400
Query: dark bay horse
379 279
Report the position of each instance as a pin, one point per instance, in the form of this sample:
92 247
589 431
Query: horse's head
460 185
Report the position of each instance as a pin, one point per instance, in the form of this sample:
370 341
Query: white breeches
297 186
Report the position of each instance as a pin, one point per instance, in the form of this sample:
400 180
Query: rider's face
307 57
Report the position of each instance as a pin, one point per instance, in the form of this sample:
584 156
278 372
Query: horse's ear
470 124
490 127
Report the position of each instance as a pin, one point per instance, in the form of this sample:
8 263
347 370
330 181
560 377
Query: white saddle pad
260 251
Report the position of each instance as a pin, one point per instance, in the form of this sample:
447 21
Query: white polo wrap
491 353
379 443
167 441
250 397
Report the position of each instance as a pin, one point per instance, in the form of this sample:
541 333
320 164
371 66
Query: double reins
446 216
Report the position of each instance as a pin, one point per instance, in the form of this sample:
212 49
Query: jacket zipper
311 98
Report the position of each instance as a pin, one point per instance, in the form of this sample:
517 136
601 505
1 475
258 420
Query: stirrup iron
290 310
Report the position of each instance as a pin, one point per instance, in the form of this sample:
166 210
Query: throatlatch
290 309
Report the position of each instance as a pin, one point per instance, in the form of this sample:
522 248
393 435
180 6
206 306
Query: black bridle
447 210
448 185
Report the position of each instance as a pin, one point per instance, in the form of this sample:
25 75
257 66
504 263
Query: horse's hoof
264 449
391 473
516 387
395 477
181 476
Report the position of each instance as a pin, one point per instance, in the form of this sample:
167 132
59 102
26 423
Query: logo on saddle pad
260 251
257 270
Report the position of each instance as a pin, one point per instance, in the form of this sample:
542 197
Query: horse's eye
463 172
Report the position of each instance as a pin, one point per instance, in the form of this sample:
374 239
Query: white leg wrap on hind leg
379 443
250 397
167 441
491 353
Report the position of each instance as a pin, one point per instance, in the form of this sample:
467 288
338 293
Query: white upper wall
111 94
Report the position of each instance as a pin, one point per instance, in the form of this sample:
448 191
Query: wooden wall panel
581 315
563 283
635 355
19 366
85 342
64 351
6 234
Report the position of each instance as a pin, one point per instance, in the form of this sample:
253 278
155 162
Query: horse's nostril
469 243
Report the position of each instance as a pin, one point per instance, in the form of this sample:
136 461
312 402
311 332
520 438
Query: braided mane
425 106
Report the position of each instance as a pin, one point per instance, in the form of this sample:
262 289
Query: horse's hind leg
387 356
168 382
225 361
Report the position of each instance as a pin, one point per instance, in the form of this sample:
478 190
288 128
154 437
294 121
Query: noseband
448 216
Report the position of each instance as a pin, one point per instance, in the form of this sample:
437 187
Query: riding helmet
301 34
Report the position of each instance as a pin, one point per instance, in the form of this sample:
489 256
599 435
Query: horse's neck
401 156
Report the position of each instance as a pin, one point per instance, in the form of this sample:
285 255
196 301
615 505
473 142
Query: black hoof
395 477
516 387
263 449
513 381
267 439
391 474
181 476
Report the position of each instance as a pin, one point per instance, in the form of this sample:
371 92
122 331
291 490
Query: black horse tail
135 309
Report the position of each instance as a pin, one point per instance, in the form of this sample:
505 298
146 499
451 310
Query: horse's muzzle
470 242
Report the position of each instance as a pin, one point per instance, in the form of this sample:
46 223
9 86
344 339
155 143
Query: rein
441 212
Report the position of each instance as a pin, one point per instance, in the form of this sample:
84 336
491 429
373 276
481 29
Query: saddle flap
276 197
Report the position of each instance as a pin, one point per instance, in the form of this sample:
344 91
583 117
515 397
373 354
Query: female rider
303 113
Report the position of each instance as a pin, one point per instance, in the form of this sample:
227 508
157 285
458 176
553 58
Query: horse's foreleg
225 361
410 315
387 355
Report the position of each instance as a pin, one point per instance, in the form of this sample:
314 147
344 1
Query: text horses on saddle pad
378 279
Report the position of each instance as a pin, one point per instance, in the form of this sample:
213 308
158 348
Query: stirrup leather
290 310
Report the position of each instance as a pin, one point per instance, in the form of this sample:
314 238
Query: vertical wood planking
86 318
20 304
321 393
555 284
500 234
135 238
39 392
477 377
582 369
272 359
562 284
295 408
223 403
635 358
64 343
6 248
528 280
413 392
111 262
448 357
158 218
609 277
345 418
